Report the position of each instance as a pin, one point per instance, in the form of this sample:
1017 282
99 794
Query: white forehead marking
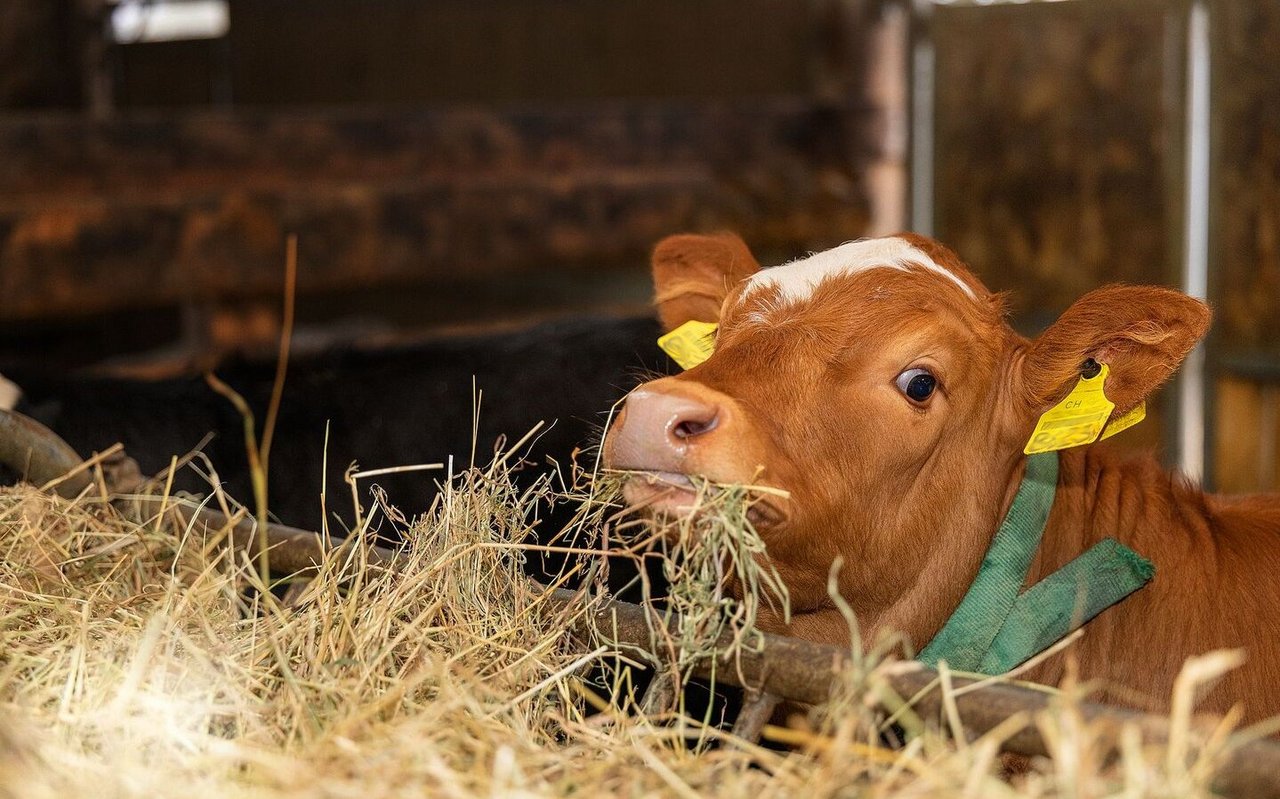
796 280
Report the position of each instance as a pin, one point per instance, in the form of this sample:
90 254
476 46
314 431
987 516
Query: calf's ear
692 275
1141 332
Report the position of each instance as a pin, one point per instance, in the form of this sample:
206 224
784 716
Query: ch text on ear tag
1125 421
691 343
1075 421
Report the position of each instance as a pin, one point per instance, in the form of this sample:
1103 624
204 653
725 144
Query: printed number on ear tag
691 343
1075 421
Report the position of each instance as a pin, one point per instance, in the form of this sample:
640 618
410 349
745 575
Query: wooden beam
155 210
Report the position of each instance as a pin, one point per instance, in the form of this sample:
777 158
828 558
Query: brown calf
879 384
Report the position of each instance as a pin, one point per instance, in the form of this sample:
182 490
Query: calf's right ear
1141 332
692 275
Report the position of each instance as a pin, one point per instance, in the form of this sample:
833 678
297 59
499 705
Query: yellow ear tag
691 343
1123 423
1075 421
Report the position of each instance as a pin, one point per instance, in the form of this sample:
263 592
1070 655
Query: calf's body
879 385
1217 581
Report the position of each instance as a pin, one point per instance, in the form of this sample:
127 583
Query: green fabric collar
998 625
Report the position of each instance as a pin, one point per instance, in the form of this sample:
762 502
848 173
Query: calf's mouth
676 495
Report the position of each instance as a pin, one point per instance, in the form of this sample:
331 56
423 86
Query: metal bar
923 62
99 93
888 87
1195 260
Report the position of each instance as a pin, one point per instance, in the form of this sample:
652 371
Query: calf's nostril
688 428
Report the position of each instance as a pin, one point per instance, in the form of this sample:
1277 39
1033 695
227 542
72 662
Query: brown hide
813 389
1217 560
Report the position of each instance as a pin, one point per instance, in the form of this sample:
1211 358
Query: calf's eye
917 384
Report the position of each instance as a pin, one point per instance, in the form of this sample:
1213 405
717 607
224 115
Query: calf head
878 385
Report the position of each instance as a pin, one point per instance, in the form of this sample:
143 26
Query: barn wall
1247 126
411 53
433 158
1247 440
40 66
145 211
1059 169
171 74
1052 142
1246 243
408 51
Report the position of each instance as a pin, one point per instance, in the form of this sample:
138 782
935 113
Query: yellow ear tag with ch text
691 343
1075 421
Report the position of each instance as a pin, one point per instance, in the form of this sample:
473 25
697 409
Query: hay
716 572
143 659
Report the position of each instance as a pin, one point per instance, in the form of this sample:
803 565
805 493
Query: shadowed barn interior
449 166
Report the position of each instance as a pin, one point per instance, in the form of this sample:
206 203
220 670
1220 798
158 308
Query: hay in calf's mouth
717 573
137 662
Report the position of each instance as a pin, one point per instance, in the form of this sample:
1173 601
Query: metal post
888 87
1195 259
923 63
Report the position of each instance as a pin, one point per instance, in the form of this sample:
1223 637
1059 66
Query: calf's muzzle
660 426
